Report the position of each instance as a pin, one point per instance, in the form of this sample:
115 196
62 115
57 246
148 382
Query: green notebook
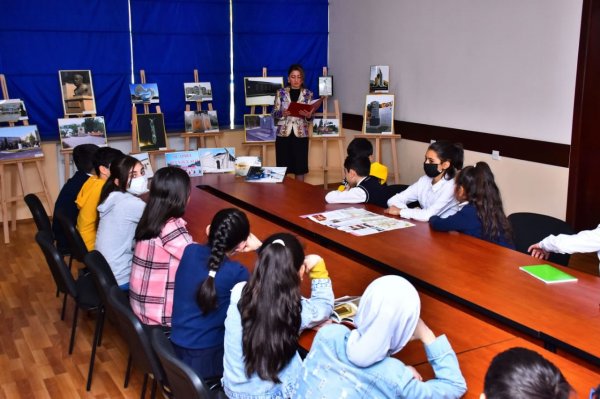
548 274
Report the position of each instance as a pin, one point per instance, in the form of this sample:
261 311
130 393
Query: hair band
278 241
212 273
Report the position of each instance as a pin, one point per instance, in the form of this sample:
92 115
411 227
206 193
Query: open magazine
357 221
345 308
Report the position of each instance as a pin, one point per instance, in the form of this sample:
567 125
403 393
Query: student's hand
537 251
251 244
393 210
423 333
315 267
311 261
415 373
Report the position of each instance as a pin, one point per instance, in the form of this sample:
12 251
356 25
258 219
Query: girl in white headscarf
345 363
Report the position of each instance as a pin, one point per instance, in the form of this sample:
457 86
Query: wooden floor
34 362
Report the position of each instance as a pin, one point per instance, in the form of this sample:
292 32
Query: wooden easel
202 136
5 198
135 146
325 167
263 146
392 139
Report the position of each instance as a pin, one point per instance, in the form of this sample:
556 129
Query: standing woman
291 144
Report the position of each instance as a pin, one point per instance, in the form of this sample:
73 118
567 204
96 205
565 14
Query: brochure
357 221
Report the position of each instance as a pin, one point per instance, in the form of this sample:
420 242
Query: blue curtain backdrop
276 34
171 39
39 38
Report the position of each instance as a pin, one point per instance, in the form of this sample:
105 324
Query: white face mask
138 185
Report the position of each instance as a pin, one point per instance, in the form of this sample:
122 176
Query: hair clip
212 273
278 241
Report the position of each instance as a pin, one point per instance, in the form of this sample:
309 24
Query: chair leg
153 389
128 371
73 329
97 334
143 395
64 306
103 312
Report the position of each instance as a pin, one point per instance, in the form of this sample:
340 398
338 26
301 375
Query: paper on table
548 274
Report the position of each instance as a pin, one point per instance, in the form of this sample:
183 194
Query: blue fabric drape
39 38
276 34
171 39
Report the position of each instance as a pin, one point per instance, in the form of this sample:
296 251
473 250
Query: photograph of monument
151 132
20 142
379 81
261 91
201 121
144 93
259 128
325 86
12 110
379 114
198 91
326 127
76 131
77 92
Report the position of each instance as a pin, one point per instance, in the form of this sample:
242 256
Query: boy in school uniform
361 147
361 186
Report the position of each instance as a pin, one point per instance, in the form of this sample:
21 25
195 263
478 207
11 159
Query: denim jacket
237 385
327 373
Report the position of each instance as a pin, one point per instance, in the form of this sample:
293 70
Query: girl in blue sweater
481 212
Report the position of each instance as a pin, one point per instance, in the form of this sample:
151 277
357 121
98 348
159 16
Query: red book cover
295 108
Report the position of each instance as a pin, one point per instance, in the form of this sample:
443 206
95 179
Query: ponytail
228 229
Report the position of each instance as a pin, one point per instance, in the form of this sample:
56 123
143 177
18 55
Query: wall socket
496 155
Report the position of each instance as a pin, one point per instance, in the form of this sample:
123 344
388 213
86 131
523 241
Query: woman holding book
291 143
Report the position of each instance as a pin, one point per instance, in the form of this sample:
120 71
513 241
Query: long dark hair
451 152
119 172
483 193
270 307
229 227
169 193
297 67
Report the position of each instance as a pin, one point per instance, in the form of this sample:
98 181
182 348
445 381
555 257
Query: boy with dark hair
65 203
89 195
361 147
361 187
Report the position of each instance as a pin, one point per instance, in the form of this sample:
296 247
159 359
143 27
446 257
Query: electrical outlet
496 155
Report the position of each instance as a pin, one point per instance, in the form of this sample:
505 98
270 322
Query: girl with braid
203 286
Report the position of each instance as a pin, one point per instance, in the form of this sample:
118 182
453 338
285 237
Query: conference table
475 337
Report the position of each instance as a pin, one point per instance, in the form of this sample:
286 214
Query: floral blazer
285 125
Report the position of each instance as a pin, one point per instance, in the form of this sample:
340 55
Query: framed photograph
12 110
379 80
259 128
379 114
262 91
326 127
151 132
199 91
75 131
20 142
325 86
217 160
144 93
145 160
186 160
201 121
77 92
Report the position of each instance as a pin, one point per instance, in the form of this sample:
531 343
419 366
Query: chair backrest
531 228
76 243
40 217
135 334
182 381
60 272
102 273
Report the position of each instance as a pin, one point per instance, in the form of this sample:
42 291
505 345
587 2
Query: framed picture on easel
13 110
262 90
379 114
20 142
197 91
76 131
151 132
326 127
325 86
201 121
77 92
144 93
379 80
259 128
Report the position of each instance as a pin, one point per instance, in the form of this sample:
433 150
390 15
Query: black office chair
40 217
104 279
138 340
182 381
84 297
531 228
76 243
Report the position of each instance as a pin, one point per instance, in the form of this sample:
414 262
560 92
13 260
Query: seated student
435 190
265 317
345 363
481 212
65 203
584 241
89 195
120 211
203 284
361 147
520 373
361 187
161 238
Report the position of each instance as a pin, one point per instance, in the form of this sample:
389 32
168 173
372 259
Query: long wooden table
480 275
474 339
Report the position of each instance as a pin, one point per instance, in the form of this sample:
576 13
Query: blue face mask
431 169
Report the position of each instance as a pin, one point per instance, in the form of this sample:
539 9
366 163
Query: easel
392 139
5 199
202 136
325 140
263 146
135 146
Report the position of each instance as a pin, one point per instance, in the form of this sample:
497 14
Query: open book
345 308
295 108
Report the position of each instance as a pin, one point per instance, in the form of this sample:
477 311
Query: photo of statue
77 92
151 132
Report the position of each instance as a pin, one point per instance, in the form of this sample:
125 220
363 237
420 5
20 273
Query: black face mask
431 169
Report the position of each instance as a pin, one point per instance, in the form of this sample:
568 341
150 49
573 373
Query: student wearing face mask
435 190
120 210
